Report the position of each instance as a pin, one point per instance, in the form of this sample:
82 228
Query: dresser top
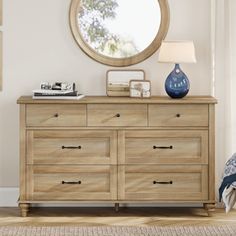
120 100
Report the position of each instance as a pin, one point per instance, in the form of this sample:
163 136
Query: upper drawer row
117 115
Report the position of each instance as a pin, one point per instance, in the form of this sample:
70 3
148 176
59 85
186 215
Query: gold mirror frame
119 62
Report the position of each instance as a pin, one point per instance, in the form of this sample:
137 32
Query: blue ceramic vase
177 84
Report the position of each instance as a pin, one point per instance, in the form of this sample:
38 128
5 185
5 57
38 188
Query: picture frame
118 81
140 89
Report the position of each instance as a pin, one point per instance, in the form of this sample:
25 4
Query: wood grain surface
117 150
102 216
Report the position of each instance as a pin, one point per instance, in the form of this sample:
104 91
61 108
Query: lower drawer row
124 182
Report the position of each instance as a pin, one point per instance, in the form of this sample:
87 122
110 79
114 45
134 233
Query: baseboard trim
9 197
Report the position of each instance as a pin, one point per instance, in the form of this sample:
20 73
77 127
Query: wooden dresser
117 150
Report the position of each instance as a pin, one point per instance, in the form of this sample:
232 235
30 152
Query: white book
50 91
79 96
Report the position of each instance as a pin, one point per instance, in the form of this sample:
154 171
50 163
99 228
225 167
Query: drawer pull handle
178 115
161 182
162 147
56 115
71 182
117 115
71 147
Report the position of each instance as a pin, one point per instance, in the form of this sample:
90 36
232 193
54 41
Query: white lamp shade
177 52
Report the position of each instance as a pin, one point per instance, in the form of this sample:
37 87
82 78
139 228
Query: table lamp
177 83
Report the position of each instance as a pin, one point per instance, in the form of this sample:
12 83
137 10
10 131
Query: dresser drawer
55 115
117 115
71 147
71 182
178 115
163 147
163 183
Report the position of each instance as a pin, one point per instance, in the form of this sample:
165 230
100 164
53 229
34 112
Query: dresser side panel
22 152
212 152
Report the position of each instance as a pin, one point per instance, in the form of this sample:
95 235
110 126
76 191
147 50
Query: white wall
38 46
220 89
233 72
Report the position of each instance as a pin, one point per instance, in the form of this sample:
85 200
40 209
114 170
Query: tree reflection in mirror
119 32
112 29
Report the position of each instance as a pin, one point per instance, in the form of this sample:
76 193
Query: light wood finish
167 183
66 182
22 153
56 115
105 216
212 151
24 209
178 115
121 100
117 115
186 203
71 147
164 147
124 76
210 208
117 158
147 52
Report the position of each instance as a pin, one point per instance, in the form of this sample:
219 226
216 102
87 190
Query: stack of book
56 94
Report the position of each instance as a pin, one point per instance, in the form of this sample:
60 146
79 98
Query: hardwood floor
148 216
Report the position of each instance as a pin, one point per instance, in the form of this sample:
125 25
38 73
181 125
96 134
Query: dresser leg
116 207
210 208
24 207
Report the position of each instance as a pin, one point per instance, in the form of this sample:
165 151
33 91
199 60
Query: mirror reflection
118 28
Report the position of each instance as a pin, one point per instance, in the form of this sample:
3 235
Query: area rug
119 231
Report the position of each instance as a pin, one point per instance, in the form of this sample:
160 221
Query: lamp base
177 84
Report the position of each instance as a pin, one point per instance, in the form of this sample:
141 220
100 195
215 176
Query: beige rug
118 231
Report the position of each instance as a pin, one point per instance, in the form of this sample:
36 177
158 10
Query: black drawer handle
178 115
162 147
117 115
56 115
161 182
71 147
71 182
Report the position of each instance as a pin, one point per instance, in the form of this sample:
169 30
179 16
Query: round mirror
119 32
